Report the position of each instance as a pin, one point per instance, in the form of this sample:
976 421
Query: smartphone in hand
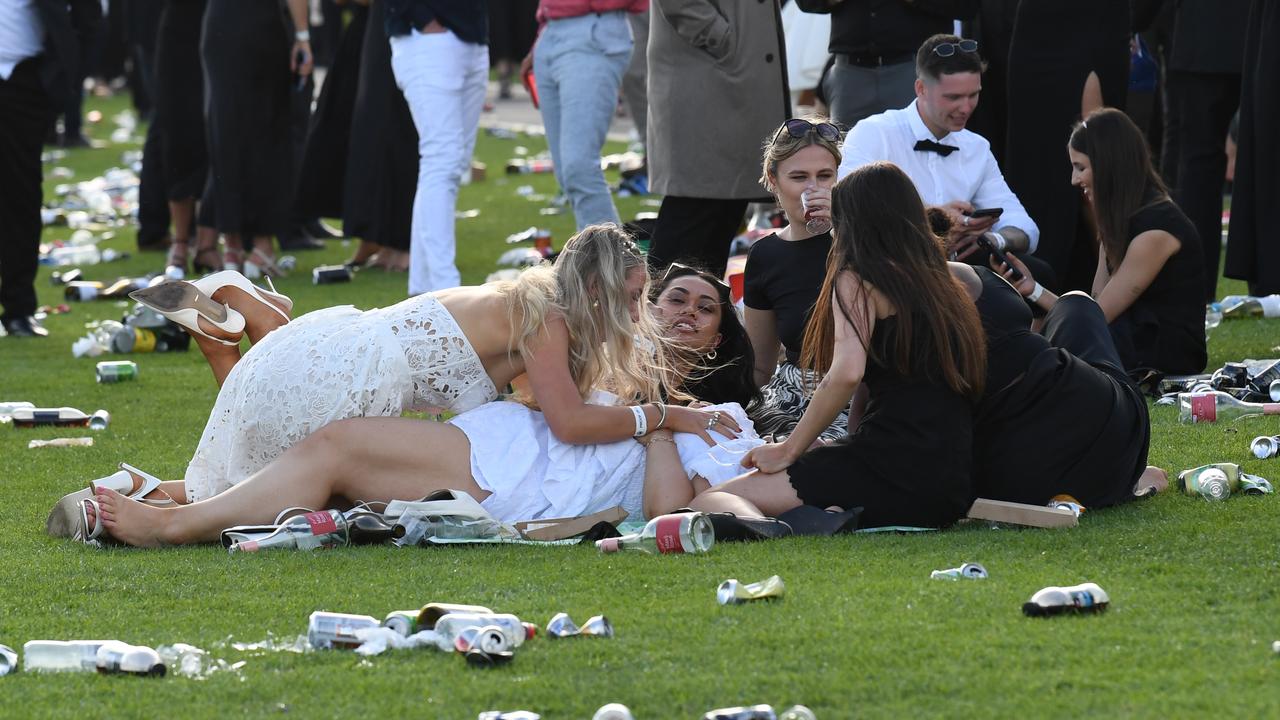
985 212
984 241
299 80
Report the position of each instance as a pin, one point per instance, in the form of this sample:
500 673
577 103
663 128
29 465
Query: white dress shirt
21 34
969 174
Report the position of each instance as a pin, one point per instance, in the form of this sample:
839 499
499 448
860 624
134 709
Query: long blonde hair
587 287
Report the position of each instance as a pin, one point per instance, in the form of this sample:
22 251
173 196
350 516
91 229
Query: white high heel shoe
185 303
282 304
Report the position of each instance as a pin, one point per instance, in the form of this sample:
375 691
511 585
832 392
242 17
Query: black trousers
1076 324
23 121
1206 103
695 231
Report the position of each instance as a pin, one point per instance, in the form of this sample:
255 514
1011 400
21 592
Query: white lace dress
328 365
533 475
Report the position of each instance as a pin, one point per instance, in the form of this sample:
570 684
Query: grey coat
717 90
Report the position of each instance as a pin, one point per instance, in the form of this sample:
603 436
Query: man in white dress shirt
953 168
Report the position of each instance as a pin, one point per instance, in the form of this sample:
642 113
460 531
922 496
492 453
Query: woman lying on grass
564 326
503 454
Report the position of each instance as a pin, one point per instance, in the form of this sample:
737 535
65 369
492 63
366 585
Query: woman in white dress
504 454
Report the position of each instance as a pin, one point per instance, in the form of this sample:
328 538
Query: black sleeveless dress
907 463
1059 415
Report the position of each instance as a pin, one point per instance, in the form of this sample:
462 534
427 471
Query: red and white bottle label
322 523
1204 408
1271 408
668 534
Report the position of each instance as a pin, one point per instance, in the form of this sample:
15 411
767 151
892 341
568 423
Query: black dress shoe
299 241
24 327
318 230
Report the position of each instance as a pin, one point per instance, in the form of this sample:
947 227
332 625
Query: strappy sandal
281 303
259 264
69 517
200 263
176 262
184 303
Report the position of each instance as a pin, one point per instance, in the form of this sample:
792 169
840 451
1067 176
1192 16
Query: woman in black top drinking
785 270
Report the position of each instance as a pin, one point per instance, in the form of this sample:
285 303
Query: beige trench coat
717 90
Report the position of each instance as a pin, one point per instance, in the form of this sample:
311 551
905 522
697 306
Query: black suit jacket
59 67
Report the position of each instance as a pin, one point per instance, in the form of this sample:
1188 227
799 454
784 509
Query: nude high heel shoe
184 303
282 304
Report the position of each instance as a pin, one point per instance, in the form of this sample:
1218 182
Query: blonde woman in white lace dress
562 326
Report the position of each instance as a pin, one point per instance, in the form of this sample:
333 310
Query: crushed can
8 660
972 571
1218 480
562 626
755 712
509 715
113 371
732 592
325 274
1066 502
490 639
613 711
402 622
1265 446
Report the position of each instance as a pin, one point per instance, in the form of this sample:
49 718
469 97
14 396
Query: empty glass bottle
326 630
1197 407
678 533
24 417
1085 597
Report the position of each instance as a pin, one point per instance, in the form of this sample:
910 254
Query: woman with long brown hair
1149 281
889 314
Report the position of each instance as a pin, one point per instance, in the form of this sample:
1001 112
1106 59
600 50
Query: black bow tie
931 146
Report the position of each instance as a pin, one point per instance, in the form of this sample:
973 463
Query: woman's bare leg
755 494
361 459
221 358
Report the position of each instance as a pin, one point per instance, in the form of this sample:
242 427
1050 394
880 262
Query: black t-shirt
785 276
1166 324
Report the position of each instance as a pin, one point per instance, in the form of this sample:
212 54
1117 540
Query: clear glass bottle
679 533
1085 597
25 417
327 630
323 529
1198 407
61 655
452 625
1212 317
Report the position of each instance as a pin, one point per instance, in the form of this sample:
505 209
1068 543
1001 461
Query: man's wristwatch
302 36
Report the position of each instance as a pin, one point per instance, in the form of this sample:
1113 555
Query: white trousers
443 80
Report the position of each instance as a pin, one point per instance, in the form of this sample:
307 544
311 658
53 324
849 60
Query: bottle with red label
323 529
1198 407
680 533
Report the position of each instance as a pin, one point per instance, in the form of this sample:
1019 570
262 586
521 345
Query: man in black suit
1203 83
37 53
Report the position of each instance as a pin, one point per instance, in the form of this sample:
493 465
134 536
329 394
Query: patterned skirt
783 401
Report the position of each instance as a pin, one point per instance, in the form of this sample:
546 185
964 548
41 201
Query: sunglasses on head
798 128
679 270
949 49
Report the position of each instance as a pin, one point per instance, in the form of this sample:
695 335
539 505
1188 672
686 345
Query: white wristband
1036 293
302 36
642 422
998 240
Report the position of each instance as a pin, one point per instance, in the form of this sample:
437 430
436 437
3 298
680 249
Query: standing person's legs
436 72
695 229
23 123
635 81
855 92
1208 100
580 62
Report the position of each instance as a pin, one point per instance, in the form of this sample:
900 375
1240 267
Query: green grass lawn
862 631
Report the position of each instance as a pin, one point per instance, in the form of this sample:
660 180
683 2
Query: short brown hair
931 66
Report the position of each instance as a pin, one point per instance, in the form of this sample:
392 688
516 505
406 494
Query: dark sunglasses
679 270
798 128
949 49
